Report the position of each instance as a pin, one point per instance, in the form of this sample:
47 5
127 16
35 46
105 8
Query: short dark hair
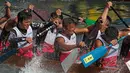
112 32
22 15
67 21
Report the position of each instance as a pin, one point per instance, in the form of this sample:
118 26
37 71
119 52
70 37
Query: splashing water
4 68
121 68
34 66
39 64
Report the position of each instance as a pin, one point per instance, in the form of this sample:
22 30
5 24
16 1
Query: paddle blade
89 22
93 56
69 60
7 55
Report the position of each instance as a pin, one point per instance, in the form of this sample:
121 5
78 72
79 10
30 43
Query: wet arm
81 30
10 24
7 13
60 41
124 32
97 43
105 12
12 41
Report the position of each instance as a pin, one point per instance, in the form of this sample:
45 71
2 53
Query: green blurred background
90 9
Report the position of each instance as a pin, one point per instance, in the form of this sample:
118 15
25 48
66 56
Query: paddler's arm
10 24
7 13
61 43
84 30
13 43
124 32
13 38
97 43
105 12
30 7
81 30
30 41
59 13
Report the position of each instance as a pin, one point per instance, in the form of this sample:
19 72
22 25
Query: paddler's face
58 22
26 23
105 25
70 29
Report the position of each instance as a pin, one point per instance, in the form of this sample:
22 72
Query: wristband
107 6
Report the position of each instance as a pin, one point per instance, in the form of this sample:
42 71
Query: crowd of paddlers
57 38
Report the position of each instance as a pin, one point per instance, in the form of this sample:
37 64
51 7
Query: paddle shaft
47 29
117 42
9 54
38 15
120 17
71 16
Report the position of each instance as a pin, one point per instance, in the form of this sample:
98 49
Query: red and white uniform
111 59
71 41
49 41
25 50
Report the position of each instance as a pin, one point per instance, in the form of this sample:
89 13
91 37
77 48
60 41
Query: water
121 68
39 64
34 66
4 68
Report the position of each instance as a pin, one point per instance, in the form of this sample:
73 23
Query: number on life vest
88 58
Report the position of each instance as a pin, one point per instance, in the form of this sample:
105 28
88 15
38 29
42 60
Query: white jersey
50 37
99 34
71 41
28 34
112 52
